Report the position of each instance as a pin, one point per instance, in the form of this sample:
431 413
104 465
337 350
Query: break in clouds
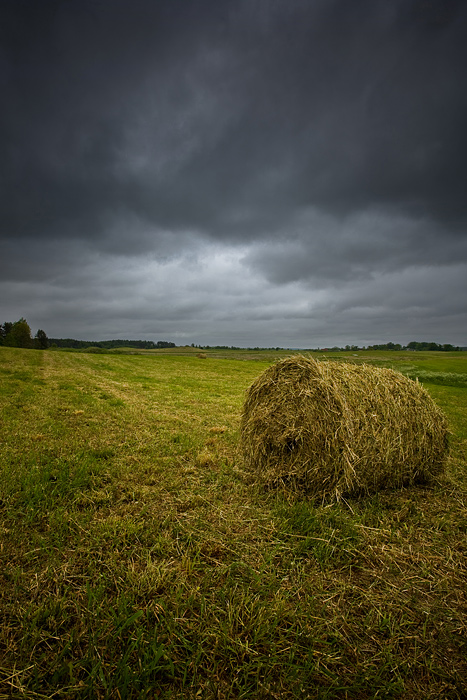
270 173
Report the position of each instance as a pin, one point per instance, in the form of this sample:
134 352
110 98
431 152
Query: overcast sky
238 172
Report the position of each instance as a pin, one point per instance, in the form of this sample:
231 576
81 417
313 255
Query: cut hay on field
334 429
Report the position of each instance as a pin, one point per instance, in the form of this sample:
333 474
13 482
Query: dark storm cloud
183 112
322 252
324 140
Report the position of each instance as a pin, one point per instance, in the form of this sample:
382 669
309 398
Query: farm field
139 561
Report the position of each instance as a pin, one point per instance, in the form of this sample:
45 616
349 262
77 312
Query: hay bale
334 429
201 356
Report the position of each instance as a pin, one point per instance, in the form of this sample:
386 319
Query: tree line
109 344
445 347
18 335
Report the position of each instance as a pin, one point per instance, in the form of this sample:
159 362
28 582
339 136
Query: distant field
138 561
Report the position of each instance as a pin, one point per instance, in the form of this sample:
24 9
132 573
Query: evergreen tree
41 341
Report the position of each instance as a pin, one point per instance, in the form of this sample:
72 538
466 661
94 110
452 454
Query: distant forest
446 347
18 334
109 344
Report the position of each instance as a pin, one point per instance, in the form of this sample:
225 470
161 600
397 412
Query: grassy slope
138 562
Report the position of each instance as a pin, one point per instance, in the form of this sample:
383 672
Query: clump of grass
444 378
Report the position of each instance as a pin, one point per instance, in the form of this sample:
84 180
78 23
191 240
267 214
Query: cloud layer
235 172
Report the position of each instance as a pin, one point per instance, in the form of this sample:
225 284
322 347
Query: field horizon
138 559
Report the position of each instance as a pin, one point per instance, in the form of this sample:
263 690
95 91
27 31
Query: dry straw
334 429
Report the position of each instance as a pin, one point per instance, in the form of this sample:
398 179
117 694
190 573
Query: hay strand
335 429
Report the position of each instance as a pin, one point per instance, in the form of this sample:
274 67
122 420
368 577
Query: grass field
138 561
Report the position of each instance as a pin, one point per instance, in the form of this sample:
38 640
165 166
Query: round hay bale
334 429
201 356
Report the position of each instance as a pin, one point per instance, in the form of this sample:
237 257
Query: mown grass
137 561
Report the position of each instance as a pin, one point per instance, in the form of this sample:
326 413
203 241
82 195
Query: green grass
138 561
